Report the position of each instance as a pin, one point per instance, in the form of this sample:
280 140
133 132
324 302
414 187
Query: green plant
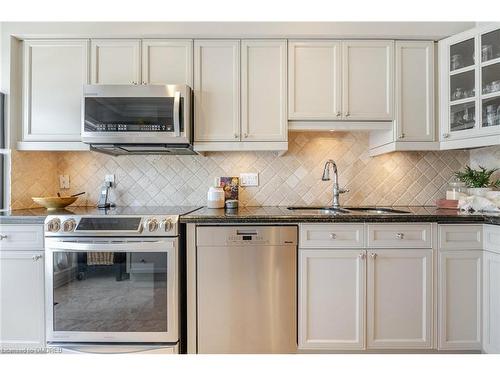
477 178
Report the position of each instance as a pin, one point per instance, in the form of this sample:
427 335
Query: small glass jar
456 190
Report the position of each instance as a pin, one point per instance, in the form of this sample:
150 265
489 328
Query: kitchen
330 156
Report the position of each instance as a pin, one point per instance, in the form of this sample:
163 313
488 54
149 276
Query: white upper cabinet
217 90
314 79
340 80
331 299
469 68
415 91
53 78
399 299
167 61
263 90
367 74
116 61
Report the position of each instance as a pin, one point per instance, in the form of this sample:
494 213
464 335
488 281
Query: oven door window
110 291
126 114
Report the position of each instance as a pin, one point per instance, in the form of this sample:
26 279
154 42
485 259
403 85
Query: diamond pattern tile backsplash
403 178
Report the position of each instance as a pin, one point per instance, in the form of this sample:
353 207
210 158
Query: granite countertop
203 215
38 215
283 215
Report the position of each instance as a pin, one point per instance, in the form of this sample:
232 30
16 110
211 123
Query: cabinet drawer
331 236
21 237
457 237
399 236
492 238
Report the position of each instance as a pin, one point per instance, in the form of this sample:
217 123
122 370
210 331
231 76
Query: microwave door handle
177 114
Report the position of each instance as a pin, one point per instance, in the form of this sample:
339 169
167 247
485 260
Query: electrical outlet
249 179
64 181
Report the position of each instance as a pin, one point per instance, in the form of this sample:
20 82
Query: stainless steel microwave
138 119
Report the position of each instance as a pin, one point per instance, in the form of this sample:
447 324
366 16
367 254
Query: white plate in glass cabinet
470 88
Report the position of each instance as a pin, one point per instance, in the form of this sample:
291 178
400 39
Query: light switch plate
249 179
64 181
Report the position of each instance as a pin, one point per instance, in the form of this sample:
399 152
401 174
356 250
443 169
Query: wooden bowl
53 203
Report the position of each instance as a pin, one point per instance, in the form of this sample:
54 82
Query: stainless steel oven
112 280
128 119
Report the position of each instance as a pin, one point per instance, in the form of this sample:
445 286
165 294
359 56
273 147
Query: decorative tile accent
403 178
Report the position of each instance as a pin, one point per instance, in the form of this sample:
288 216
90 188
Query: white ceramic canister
215 197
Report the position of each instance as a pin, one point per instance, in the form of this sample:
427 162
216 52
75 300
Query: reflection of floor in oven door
100 303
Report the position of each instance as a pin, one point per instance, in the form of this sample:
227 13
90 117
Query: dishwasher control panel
247 235
243 239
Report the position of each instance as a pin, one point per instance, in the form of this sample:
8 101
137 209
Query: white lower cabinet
491 301
331 299
399 299
22 318
22 313
459 301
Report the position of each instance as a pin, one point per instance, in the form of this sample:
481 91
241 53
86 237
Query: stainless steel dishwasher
246 289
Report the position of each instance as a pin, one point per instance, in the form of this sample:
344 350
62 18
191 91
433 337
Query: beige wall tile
410 178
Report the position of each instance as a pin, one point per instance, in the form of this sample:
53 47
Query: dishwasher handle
246 232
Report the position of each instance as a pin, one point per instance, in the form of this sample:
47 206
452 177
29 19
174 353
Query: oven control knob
167 225
69 225
152 225
54 225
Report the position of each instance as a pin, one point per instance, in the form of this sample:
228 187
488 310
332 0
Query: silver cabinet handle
446 135
333 236
235 135
362 256
245 135
3 237
401 136
400 236
347 114
373 255
36 257
338 113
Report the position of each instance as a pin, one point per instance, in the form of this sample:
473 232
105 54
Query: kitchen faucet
336 189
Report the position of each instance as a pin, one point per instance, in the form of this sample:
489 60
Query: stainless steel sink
321 209
377 210
347 210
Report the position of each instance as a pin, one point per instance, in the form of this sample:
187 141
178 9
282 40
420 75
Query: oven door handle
105 246
177 114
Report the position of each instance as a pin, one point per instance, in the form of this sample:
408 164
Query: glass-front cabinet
470 86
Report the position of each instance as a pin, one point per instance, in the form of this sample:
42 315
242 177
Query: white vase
480 192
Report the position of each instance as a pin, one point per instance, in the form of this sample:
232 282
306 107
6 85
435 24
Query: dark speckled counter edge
288 219
25 220
336 219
